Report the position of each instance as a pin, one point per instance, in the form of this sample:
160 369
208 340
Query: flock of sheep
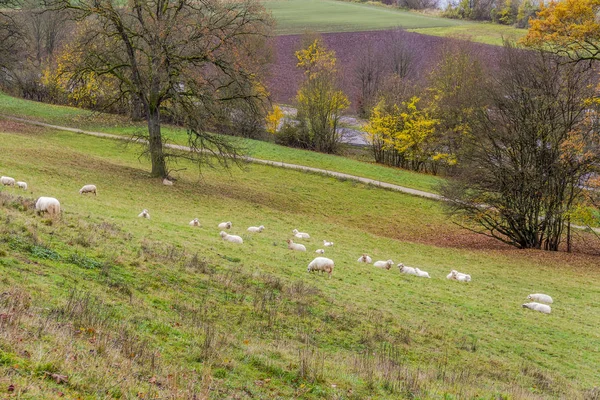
51 206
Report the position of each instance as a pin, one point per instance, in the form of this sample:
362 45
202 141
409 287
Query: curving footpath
304 168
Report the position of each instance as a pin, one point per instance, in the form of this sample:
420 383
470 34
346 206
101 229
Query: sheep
22 185
422 274
231 238
320 251
541 298
167 182
257 229
321 264
384 264
327 244
89 189
194 222
295 246
225 225
49 205
300 235
7 181
365 259
144 214
543 308
407 270
458 276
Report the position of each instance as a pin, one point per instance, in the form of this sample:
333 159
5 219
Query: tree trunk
159 168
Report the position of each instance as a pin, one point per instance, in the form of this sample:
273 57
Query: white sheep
49 205
195 222
225 225
407 270
384 264
300 235
7 181
167 182
231 238
89 189
458 276
22 185
422 274
321 264
320 251
543 308
144 214
541 298
256 229
295 246
365 259
327 244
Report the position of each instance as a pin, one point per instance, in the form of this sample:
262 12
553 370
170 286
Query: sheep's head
529 297
526 305
223 234
260 228
388 266
289 241
229 225
400 266
364 258
295 231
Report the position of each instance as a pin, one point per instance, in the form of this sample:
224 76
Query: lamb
384 264
300 235
541 298
321 264
89 189
49 205
422 274
407 270
225 225
256 229
231 238
194 222
458 276
22 185
295 246
320 251
365 259
327 244
543 308
144 214
7 181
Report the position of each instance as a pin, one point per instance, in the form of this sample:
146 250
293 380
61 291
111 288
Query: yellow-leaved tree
569 28
320 101
273 119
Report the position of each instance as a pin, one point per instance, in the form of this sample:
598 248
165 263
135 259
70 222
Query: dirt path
304 168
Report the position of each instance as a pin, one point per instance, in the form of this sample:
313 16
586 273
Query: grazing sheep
89 189
195 222
541 298
422 274
321 264
49 205
543 308
167 182
327 244
407 270
22 185
225 225
295 246
365 259
144 214
257 229
231 238
7 181
300 235
384 264
458 276
320 251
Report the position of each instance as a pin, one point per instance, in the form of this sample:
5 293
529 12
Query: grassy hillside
101 291
83 119
298 16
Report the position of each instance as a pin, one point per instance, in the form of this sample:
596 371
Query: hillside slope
101 291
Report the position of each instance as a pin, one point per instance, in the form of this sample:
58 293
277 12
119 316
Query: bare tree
10 34
530 153
185 60
368 76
